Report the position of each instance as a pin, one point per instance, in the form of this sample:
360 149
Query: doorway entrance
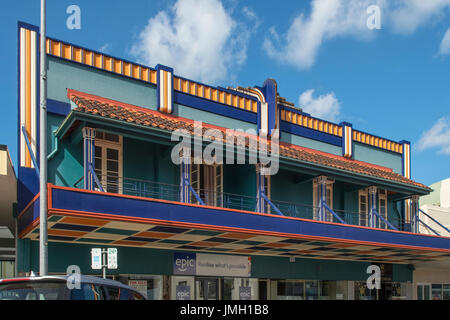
423 291
207 289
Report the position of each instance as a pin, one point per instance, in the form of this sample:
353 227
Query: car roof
83 279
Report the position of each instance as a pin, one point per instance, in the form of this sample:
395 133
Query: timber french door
382 208
207 182
363 208
328 201
108 161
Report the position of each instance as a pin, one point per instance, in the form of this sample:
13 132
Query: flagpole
43 232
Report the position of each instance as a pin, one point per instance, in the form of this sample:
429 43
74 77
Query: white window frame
423 285
104 144
329 215
216 180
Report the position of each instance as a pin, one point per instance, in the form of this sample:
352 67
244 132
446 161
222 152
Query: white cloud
406 16
445 44
438 136
329 19
105 48
198 38
325 106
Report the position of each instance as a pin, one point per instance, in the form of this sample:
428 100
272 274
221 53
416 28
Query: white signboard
139 285
223 265
112 258
96 255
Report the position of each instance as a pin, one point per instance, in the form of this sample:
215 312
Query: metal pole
43 238
104 262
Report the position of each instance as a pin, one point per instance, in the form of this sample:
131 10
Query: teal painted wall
63 75
66 167
310 143
212 118
288 186
377 156
239 179
156 261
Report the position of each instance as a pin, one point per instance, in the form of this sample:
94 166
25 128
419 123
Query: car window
136 296
88 291
117 293
29 290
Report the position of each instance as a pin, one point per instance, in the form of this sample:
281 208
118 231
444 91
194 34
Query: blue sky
392 82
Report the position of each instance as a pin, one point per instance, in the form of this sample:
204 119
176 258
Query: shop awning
89 217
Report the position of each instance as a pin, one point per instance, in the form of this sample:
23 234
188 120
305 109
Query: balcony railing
171 192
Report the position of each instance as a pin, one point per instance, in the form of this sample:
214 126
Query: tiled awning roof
107 108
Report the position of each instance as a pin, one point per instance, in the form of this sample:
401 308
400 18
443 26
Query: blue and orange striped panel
347 142
165 89
28 95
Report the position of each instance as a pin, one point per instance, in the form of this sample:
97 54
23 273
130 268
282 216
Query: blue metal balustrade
171 192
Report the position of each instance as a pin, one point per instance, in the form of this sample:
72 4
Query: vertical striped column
185 177
406 171
372 193
88 157
164 88
28 92
321 196
260 186
347 139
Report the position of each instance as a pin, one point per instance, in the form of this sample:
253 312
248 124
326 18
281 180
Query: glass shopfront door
423 291
207 289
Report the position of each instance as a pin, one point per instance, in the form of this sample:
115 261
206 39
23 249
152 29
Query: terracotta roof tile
117 110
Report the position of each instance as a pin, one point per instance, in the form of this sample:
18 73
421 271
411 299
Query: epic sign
184 263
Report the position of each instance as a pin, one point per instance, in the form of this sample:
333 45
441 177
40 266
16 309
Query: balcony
136 220
209 198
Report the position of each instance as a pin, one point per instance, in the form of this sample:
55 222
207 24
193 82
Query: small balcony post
414 213
322 196
372 191
185 177
260 184
88 157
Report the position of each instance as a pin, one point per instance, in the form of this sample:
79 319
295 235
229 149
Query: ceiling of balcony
117 233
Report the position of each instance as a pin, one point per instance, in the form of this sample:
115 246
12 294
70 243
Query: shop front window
182 288
333 290
436 291
446 292
149 286
363 293
288 290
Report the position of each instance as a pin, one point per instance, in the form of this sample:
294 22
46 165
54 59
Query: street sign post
112 258
104 259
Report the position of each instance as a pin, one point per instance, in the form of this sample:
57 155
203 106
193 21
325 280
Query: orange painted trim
30 228
49 196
